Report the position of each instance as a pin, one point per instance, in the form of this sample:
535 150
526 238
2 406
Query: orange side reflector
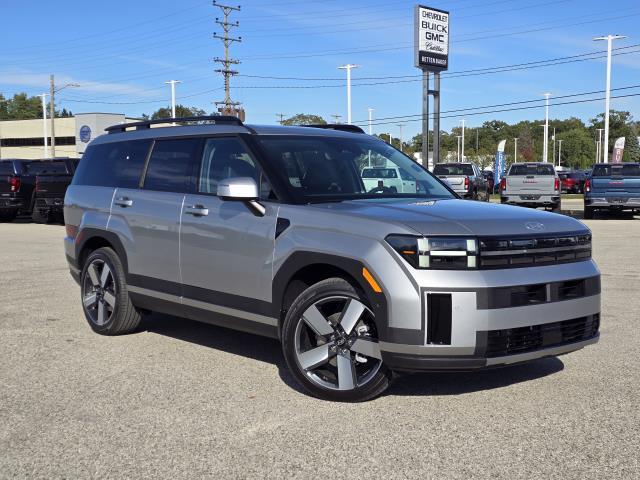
372 281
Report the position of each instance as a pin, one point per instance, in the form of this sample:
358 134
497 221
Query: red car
572 182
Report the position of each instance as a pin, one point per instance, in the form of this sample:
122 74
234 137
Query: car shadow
457 383
268 350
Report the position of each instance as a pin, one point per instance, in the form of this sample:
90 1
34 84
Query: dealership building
24 139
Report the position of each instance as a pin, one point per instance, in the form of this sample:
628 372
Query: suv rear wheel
330 343
105 299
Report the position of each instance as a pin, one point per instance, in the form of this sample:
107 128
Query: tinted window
47 168
227 157
172 165
6 168
453 169
531 169
324 168
379 173
617 170
116 164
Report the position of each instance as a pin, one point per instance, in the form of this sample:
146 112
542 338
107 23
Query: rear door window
173 165
117 164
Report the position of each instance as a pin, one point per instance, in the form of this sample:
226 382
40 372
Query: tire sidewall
325 289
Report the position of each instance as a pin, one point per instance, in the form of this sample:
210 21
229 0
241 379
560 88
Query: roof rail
145 124
337 126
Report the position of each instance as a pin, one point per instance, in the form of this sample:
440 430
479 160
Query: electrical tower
227 106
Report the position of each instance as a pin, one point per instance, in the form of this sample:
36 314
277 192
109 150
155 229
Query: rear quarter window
117 164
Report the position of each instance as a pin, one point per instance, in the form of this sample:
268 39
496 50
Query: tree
21 107
181 111
577 148
304 119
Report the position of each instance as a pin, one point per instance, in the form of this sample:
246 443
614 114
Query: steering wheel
382 190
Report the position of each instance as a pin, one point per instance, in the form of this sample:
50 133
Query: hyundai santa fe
272 230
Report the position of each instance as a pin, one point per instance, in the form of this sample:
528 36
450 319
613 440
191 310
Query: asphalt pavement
187 400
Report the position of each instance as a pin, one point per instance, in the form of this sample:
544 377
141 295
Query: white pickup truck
533 184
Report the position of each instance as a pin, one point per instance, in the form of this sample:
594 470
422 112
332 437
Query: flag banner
618 150
498 171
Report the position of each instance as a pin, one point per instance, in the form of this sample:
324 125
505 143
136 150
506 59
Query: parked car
271 230
51 179
531 184
490 179
389 178
464 178
16 189
612 187
572 182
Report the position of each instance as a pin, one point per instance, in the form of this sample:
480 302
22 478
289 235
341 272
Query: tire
38 217
332 319
588 212
8 216
104 296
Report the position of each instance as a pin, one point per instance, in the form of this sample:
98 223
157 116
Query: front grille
528 251
513 341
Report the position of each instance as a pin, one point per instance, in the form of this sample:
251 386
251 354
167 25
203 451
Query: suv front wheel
105 299
330 343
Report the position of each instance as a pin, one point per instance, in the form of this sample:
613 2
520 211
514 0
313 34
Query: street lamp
515 150
458 137
545 147
348 68
607 101
559 152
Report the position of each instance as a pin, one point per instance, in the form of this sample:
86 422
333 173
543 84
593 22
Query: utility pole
281 117
370 121
229 107
462 150
336 117
400 126
173 96
44 124
52 109
348 68
477 139
609 39
559 152
545 147
599 144
515 150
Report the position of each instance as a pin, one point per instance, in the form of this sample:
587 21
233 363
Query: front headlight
436 253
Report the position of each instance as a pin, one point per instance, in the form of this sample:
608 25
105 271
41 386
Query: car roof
212 129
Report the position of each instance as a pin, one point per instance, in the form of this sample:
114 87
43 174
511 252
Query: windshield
453 169
320 169
617 170
531 169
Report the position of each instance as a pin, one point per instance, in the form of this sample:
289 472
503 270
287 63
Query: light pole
599 145
515 150
173 96
348 68
458 137
607 101
370 121
545 147
400 125
52 109
462 149
559 152
44 124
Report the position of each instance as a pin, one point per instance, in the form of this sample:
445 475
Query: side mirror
238 188
244 189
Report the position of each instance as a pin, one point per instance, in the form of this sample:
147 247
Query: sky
122 52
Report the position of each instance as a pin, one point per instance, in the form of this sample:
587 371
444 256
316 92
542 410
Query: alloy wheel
99 292
336 343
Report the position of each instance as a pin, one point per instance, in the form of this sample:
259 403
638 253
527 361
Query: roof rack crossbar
145 124
336 126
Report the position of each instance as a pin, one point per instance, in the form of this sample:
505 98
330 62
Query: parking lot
185 400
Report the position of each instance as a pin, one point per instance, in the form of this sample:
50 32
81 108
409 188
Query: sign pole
425 119
436 118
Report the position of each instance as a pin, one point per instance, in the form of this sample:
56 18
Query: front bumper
492 317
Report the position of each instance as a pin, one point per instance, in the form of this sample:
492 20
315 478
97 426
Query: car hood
458 217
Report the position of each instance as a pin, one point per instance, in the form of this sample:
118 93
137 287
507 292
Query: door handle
124 202
197 211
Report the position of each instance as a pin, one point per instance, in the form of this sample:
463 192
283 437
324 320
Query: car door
226 251
148 218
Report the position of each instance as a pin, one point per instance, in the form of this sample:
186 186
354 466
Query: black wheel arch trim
89 233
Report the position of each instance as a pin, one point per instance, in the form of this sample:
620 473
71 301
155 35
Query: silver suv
271 230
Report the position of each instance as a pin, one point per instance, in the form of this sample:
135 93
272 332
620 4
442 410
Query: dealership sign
431 33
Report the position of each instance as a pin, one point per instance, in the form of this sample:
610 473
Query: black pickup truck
34 187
